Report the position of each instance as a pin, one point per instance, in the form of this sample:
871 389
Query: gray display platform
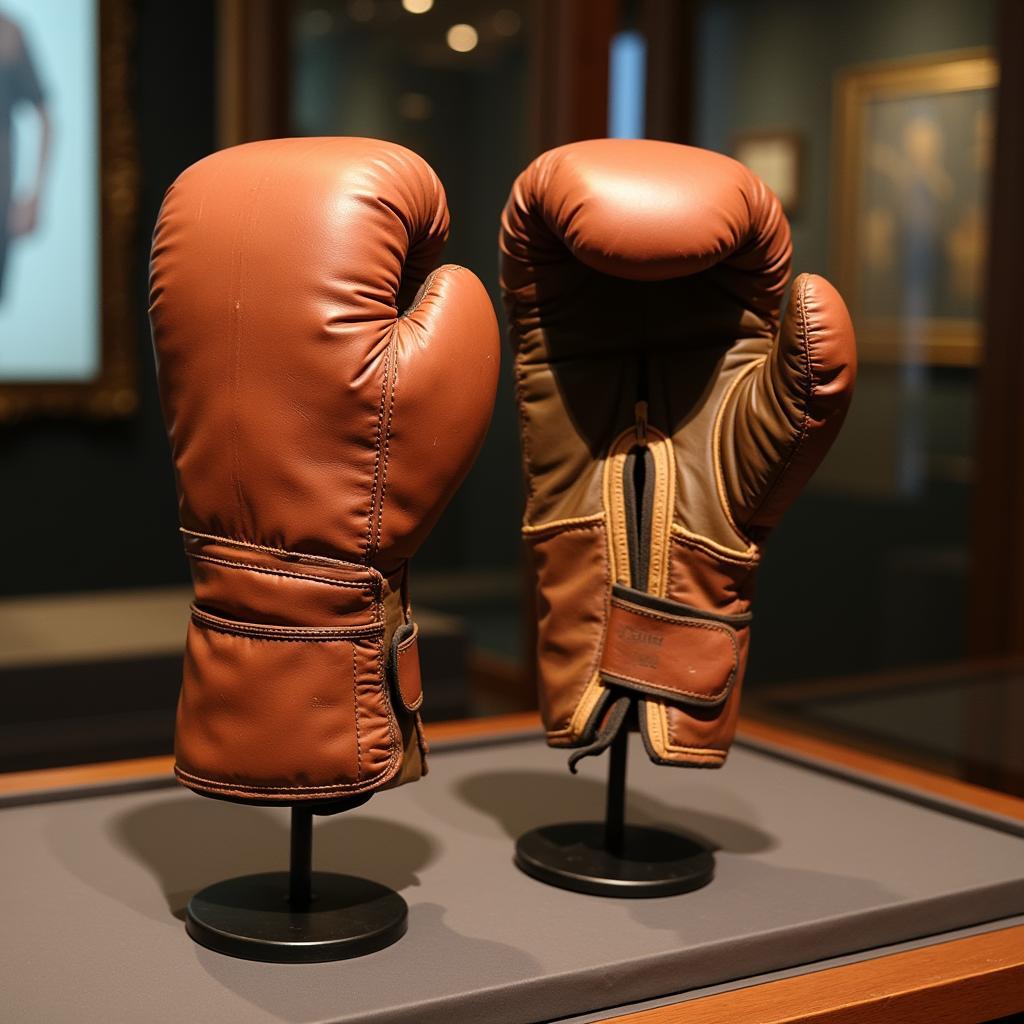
810 866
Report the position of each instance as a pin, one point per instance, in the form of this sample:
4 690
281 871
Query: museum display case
636 185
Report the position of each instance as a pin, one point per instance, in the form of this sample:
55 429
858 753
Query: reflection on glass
627 81
448 80
870 571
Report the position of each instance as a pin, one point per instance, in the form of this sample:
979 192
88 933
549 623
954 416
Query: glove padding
325 392
667 423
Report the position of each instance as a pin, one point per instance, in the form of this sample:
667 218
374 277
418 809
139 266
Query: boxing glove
667 423
325 390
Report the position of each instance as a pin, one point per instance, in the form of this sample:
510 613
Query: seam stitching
704 698
222 785
674 620
386 371
808 395
355 707
267 571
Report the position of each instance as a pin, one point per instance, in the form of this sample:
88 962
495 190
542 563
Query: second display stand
611 857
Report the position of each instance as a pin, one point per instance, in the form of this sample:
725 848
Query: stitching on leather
384 691
221 786
320 560
667 747
294 634
267 571
614 502
385 373
392 388
662 512
716 439
809 376
562 526
692 624
712 752
703 698
674 620
355 707
418 702
423 290
524 439
695 540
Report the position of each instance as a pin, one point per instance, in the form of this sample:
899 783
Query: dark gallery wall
91 505
870 568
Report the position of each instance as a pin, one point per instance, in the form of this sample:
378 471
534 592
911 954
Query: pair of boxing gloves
326 386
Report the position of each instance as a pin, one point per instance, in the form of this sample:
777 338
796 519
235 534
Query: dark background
91 505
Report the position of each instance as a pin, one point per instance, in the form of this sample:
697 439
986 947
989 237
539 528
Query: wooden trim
968 980
151 769
944 674
883 768
670 29
253 71
997 556
494 728
570 46
981 976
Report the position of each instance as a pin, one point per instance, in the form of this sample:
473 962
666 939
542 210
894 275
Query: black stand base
299 916
652 862
611 858
251 918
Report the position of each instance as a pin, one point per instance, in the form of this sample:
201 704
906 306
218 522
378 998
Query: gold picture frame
777 158
113 391
913 151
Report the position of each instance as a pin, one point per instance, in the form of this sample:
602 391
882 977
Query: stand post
615 797
610 857
273 916
301 865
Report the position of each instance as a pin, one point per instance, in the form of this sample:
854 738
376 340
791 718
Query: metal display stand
613 858
299 915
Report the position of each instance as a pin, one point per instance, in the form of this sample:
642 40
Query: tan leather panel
681 656
709 580
571 565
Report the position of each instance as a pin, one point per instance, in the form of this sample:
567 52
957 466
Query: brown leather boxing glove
325 391
667 423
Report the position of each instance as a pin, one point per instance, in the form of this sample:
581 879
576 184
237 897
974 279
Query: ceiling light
462 38
417 6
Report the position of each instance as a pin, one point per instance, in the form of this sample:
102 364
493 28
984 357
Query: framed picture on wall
914 148
777 159
68 198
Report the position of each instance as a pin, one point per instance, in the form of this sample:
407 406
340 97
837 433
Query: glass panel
448 80
874 124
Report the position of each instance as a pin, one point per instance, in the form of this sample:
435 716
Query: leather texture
668 420
325 390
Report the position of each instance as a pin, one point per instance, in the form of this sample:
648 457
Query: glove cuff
667 649
292 689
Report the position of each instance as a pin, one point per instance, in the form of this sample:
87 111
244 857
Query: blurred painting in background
916 144
49 194
67 198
